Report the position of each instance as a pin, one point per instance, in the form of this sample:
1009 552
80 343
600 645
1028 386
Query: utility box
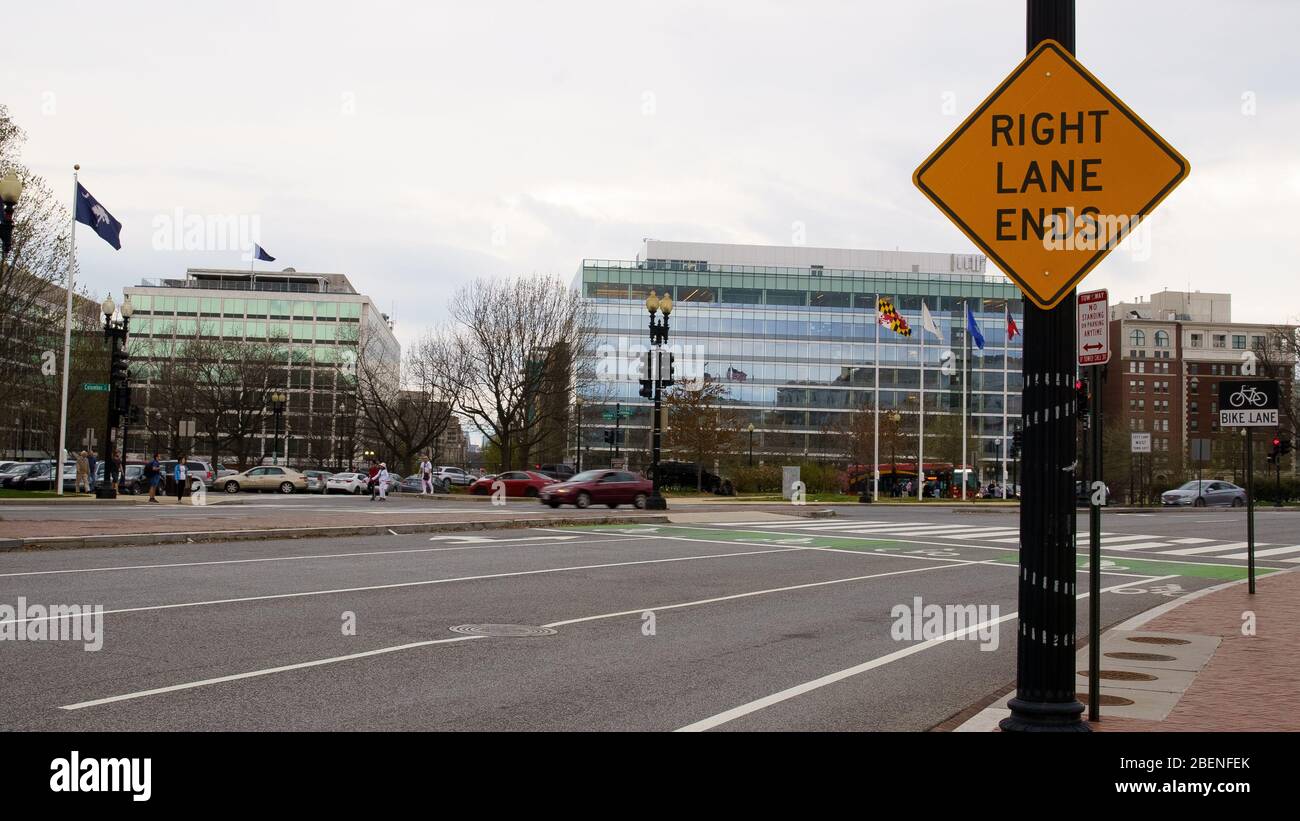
789 475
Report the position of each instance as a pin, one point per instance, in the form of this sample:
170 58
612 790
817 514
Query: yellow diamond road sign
1050 173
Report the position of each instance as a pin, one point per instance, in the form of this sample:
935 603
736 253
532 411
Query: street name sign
1094 328
1140 443
94 387
1050 173
1249 403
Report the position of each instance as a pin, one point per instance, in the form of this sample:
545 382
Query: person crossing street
426 477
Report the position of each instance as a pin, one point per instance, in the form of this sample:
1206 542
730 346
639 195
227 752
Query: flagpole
965 380
920 443
67 335
1006 354
875 469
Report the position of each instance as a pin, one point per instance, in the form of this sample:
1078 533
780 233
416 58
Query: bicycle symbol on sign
1248 394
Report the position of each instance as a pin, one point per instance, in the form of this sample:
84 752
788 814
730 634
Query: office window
1137 338
327 310
1257 342
303 310
1239 342
1220 340
1195 341
210 306
1162 339
258 307
187 305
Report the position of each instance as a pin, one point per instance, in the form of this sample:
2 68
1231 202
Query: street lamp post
11 188
278 401
751 444
658 337
115 331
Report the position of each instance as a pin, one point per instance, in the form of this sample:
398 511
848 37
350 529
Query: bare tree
406 405
518 345
703 427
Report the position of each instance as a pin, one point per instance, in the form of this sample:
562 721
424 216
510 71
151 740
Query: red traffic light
1277 441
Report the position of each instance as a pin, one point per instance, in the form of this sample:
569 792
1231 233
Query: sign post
1094 354
1249 404
1047 176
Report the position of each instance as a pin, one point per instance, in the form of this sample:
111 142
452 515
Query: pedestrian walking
82 484
372 478
426 477
153 472
92 462
381 481
180 474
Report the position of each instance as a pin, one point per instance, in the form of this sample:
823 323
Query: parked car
1203 492
412 484
266 477
608 487
130 480
40 476
316 480
354 483
683 475
1083 494
223 471
559 473
455 475
195 470
517 482
7 475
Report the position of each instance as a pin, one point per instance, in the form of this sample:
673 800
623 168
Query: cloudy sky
415 146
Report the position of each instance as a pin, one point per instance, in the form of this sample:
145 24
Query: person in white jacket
426 477
381 482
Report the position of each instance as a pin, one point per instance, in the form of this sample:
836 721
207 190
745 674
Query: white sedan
354 483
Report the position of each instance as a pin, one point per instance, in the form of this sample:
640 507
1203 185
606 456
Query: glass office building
793 335
318 326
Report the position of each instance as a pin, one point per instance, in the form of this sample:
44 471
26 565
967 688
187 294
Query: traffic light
1275 455
1081 400
669 378
609 437
647 389
1017 439
118 368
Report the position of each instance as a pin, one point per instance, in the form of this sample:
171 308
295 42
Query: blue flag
260 253
90 212
974 328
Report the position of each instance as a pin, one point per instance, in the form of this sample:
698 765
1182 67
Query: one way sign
1094 328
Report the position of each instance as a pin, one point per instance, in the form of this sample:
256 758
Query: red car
517 482
608 487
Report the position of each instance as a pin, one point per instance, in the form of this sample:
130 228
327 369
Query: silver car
1200 493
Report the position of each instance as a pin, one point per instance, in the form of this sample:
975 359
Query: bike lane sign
1249 403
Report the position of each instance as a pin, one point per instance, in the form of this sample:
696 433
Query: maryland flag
890 318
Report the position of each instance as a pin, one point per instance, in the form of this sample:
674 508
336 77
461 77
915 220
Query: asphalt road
752 623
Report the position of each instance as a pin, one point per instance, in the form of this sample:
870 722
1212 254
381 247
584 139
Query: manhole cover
1140 657
1106 700
1158 640
520 631
1120 675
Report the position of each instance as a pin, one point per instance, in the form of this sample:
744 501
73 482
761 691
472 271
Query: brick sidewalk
1252 683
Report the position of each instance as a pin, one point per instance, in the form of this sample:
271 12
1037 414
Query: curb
133 539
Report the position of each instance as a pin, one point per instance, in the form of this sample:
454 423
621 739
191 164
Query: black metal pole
1250 506
1045 660
618 425
658 336
1094 552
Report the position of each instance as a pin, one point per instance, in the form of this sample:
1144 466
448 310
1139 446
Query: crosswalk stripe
1136 546
1191 540
982 533
1273 551
1196 551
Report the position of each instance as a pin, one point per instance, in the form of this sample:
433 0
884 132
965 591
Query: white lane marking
1273 551
81 705
979 534
282 558
351 656
817 683
1190 540
488 539
1196 551
1136 546
396 585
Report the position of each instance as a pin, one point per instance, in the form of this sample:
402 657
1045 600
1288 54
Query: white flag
928 323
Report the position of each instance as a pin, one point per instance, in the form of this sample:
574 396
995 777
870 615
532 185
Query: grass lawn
6 493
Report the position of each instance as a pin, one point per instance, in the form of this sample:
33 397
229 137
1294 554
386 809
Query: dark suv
560 473
683 475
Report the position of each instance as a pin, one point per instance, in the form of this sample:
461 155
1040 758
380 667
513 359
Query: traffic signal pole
1045 656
